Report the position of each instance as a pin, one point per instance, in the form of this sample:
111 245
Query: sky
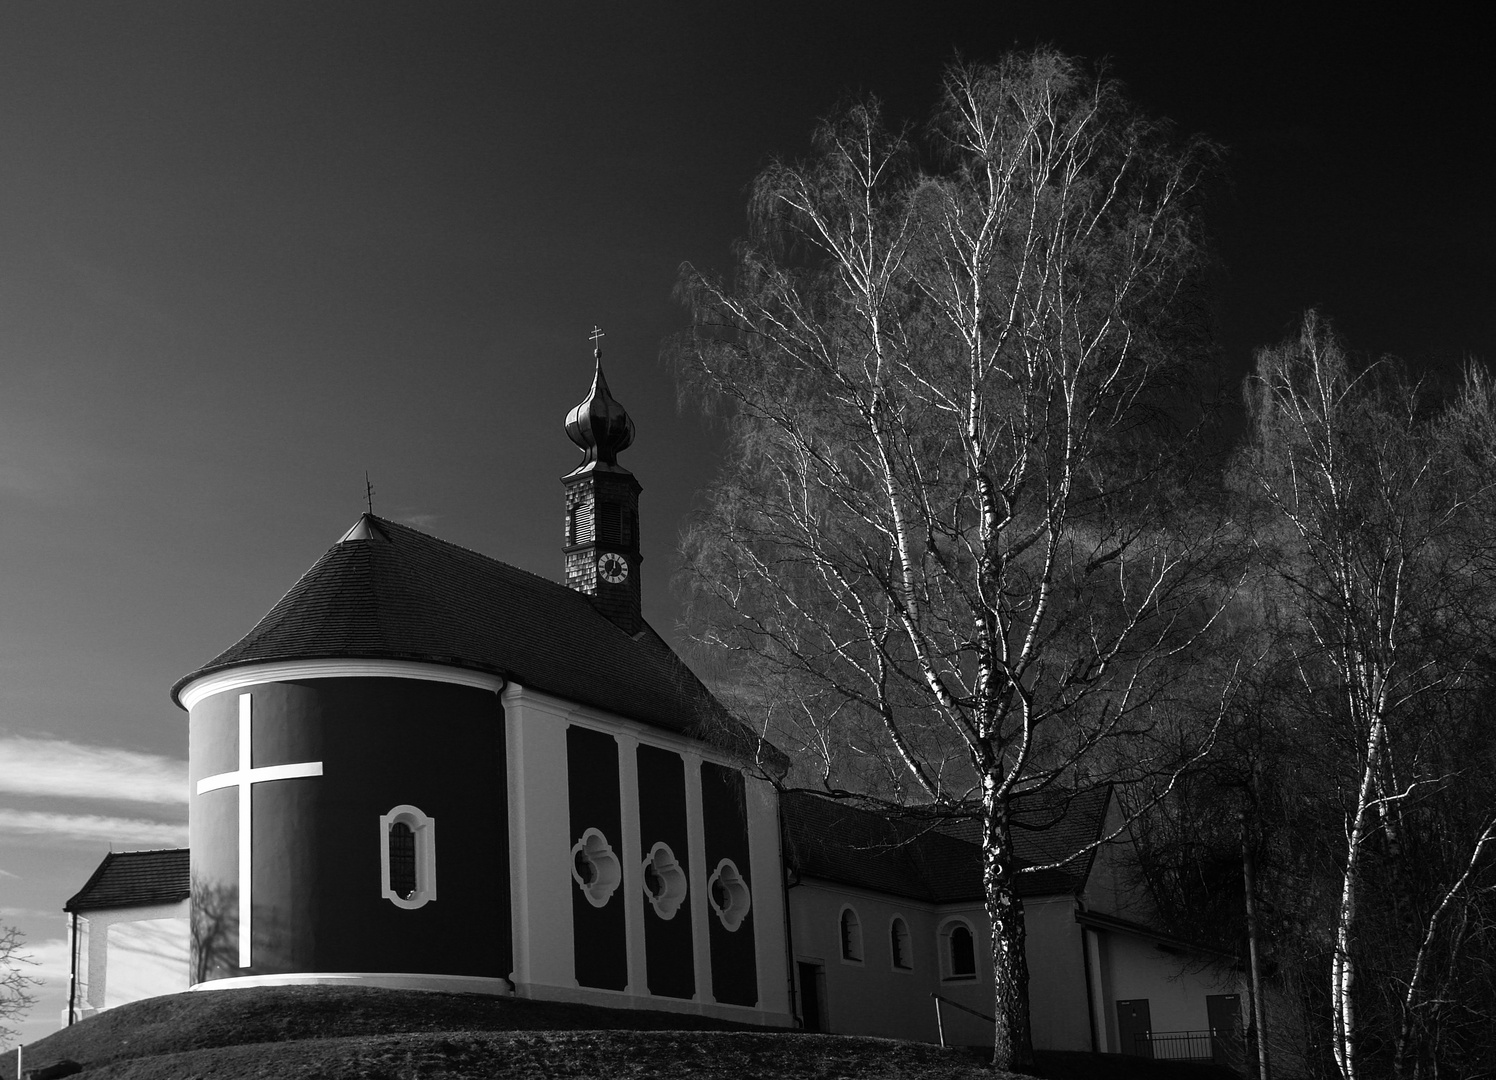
250 251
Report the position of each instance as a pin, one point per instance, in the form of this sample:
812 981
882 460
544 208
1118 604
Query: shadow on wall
215 931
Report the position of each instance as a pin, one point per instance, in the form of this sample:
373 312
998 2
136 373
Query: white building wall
127 954
872 997
1174 985
540 863
766 870
1057 975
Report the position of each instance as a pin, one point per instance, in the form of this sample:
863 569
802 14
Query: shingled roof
939 862
390 592
133 879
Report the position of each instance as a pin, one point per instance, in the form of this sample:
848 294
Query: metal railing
940 1020
1174 1045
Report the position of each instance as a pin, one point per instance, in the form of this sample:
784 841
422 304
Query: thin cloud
52 962
417 521
94 828
18 913
65 769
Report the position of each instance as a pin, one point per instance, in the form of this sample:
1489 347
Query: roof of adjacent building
133 879
940 860
387 591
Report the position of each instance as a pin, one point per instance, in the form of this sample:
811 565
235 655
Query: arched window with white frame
407 857
900 946
958 950
851 936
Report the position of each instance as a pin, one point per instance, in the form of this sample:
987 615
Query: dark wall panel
317 843
662 819
598 933
724 812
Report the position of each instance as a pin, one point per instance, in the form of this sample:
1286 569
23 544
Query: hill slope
346 1032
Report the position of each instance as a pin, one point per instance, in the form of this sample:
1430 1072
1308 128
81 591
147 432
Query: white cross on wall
242 778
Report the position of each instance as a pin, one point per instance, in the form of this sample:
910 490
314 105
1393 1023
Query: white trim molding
605 872
900 946
424 830
734 891
673 886
943 934
390 980
851 947
237 678
570 712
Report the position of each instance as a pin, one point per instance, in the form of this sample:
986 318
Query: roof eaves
1099 921
93 880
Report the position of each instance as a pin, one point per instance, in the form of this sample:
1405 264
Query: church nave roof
387 591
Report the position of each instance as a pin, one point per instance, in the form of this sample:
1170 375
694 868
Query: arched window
851 936
958 950
402 860
899 947
407 857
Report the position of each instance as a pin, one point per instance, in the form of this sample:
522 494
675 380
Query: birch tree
952 546
1379 530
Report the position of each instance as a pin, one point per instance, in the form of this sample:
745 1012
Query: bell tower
602 505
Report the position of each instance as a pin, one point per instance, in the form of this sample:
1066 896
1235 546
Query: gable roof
939 862
390 592
135 878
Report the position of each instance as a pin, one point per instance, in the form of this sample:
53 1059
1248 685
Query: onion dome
600 425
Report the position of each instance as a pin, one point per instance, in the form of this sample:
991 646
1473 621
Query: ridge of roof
134 879
398 593
938 860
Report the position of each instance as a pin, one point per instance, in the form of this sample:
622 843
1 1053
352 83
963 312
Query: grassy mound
341 1033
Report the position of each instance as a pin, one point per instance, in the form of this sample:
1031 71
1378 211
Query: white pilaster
539 844
768 896
701 938
630 851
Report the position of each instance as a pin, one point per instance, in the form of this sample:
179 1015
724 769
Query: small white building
887 916
128 931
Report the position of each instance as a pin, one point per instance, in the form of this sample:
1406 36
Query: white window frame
740 899
672 879
947 960
424 828
844 946
594 845
907 968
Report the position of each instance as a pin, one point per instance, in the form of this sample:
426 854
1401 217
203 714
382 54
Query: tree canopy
954 548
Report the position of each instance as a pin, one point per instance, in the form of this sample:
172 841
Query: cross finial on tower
596 338
369 492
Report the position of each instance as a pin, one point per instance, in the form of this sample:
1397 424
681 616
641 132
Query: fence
1175 1045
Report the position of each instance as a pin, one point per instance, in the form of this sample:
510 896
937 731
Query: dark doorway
1134 1026
1227 1047
810 997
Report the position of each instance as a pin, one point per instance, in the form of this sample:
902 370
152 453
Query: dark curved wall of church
668 947
724 812
317 842
600 947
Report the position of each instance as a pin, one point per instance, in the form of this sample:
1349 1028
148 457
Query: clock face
613 567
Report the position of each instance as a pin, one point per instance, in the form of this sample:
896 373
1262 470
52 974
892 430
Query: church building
425 768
